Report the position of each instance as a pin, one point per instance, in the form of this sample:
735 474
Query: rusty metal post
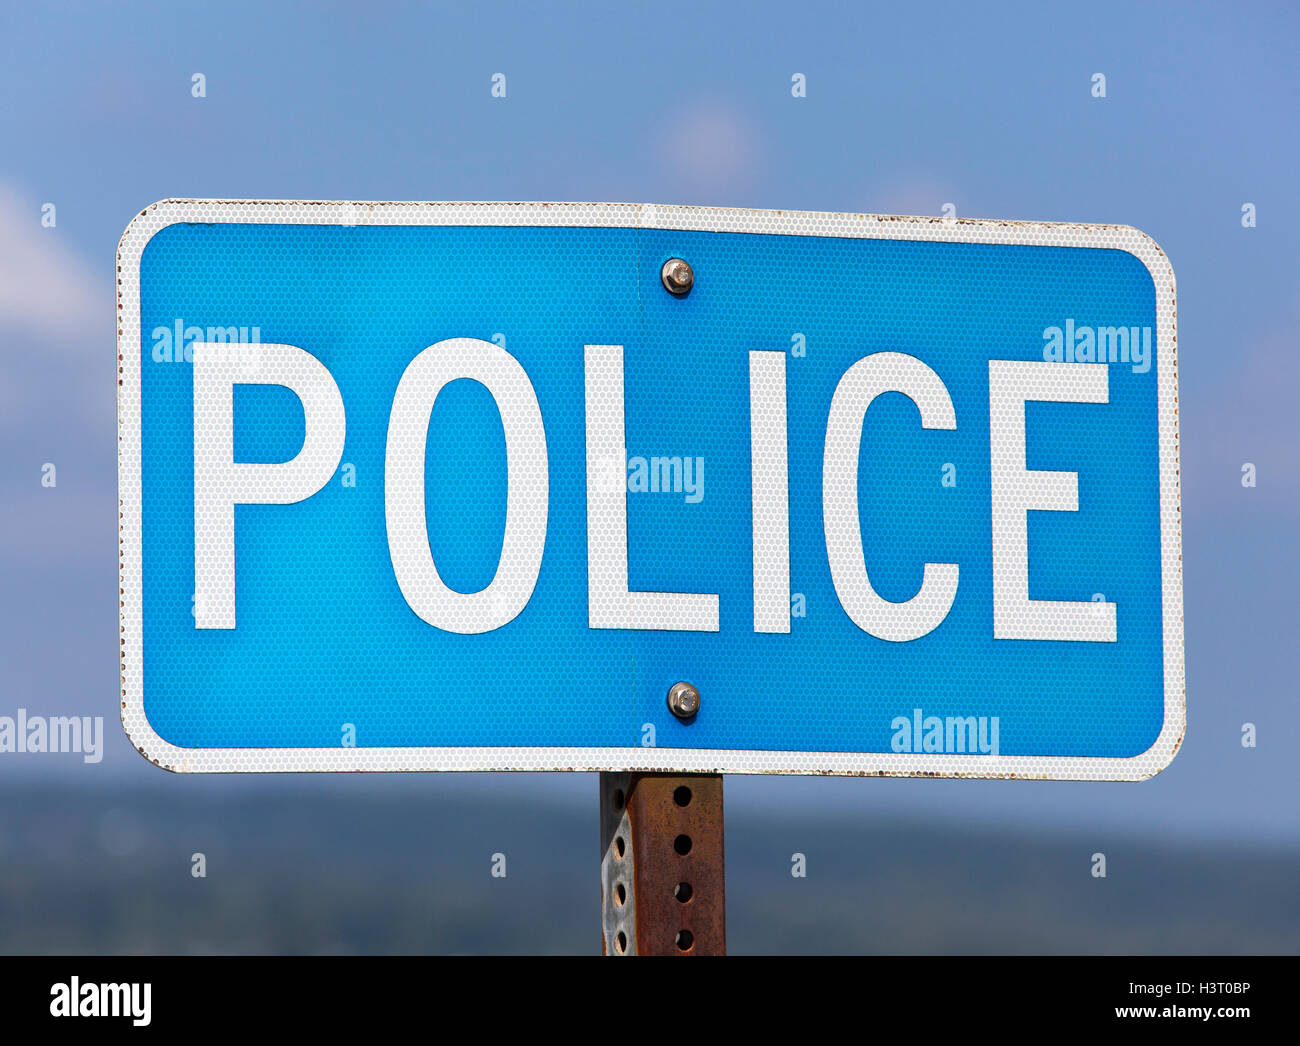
662 871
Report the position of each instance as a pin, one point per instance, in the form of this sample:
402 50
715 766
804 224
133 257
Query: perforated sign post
646 490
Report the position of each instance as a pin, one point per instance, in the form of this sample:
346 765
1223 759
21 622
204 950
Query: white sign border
646 216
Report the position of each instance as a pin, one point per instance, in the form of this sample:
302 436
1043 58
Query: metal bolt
678 277
683 700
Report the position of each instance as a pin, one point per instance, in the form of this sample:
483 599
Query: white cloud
709 148
46 288
57 329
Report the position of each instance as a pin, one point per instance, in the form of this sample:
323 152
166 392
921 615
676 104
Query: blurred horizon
288 873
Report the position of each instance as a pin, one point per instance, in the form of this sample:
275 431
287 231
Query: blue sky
908 107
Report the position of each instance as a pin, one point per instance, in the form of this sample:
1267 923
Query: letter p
221 483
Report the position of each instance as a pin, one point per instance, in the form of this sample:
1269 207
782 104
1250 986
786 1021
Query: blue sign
473 486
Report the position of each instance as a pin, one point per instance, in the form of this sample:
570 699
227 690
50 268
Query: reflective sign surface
454 486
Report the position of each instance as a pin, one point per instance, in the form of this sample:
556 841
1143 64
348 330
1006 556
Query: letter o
527 490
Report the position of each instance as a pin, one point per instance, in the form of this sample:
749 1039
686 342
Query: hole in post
682 796
619 799
682 844
621 945
684 940
619 846
620 895
683 892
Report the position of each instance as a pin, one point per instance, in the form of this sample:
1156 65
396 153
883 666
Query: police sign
474 486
